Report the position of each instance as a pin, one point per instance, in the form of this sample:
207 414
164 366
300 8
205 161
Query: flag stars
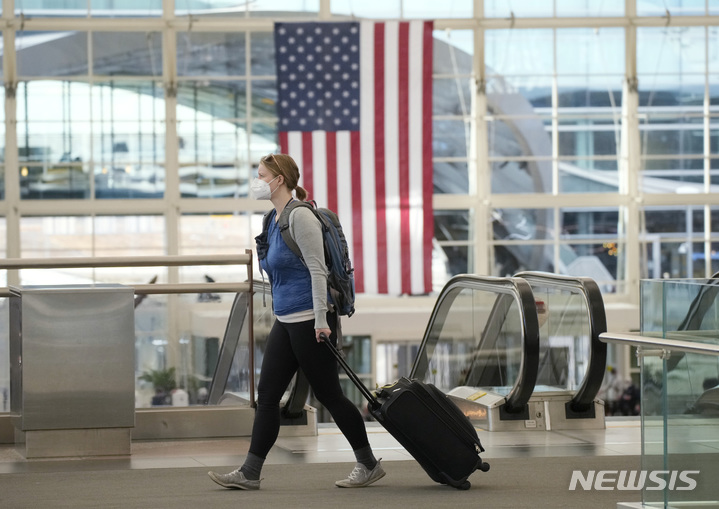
318 75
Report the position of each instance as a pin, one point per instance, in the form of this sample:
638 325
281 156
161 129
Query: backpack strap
261 239
262 247
284 224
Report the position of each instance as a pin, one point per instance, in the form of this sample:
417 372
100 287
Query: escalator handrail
698 309
516 400
588 389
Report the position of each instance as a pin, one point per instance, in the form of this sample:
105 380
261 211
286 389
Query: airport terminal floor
528 469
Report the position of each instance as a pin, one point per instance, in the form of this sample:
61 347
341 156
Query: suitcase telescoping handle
350 372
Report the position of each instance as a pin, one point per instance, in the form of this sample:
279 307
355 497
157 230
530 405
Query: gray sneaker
361 476
234 479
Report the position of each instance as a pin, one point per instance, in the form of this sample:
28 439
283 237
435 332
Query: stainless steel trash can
72 369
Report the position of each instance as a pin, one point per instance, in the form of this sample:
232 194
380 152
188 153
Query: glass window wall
128 139
672 91
127 53
455 241
560 134
522 240
97 117
451 107
126 8
53 139
59 53
674 243
519 101
88 236
675 7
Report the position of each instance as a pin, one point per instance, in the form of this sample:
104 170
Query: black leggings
291 346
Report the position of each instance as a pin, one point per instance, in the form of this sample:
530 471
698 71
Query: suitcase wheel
465 485
484 467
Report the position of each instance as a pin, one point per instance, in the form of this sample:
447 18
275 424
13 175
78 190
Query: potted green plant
163 380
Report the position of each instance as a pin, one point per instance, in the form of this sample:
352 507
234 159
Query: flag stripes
373 164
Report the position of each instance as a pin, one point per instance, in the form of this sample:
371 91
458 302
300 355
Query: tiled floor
621 437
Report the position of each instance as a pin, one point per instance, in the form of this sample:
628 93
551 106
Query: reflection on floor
621 437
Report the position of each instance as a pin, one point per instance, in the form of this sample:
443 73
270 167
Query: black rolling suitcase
427 424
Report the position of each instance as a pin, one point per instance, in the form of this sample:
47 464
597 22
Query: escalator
510 367
572 360
481 347
514 353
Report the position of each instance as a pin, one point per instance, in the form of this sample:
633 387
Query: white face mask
260 190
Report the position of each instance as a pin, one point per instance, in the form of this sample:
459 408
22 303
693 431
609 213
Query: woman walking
302 313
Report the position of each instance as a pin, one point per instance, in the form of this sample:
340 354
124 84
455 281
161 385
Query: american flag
355 112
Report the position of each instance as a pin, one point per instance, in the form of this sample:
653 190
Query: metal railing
245 258
656 343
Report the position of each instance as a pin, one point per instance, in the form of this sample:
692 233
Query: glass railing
178 326
678 353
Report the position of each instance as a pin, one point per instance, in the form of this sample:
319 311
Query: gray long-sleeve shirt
306 231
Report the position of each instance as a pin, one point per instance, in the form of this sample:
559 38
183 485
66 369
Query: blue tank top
289 278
